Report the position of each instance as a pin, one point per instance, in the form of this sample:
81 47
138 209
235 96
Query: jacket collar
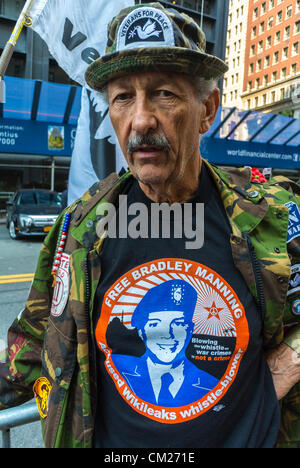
245 203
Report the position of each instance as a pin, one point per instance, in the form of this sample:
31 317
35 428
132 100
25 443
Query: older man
162 95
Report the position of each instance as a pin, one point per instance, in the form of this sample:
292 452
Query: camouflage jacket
62 348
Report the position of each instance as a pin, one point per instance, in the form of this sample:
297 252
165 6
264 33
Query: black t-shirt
180 359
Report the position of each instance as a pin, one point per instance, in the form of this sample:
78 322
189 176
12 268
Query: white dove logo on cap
148 30
145 26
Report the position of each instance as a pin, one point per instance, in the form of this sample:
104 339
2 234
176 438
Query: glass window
27 198
47 198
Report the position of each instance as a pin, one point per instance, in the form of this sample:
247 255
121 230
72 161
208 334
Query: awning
256 127
250 138
39 118
41 101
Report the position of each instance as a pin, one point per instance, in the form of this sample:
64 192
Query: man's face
165 335
163 108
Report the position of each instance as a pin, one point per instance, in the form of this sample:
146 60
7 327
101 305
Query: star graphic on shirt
213 311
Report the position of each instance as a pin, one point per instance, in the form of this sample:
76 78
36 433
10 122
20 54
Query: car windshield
39 198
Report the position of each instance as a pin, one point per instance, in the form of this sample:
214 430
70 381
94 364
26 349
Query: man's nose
144 118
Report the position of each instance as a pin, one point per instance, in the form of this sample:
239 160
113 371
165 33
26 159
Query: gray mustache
149 140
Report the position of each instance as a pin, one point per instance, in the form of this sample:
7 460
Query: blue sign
243 153
28 137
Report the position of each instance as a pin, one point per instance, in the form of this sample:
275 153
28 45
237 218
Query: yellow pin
42 389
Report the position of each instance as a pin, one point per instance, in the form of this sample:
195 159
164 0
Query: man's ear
211 108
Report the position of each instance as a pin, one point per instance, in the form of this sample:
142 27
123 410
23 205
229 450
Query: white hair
203 87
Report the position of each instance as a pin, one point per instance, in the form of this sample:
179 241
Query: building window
267 61
274 76
298 6
279 17
251 68
266 79
260 46
273 95
287 32
249 103
268 42
254 32
270 22
264 99
283 73
263 8
276 57
255 13
289 11
281 93
256 101
271 4
257 83
277 37
285 53
261 27
296 48
297 27
294 69
258 65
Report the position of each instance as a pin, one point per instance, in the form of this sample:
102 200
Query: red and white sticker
61 290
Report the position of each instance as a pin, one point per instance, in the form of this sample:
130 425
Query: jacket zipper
88 320
257 275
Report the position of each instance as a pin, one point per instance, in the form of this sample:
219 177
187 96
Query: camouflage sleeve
20 364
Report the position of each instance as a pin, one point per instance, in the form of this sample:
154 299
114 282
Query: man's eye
165 93
122 97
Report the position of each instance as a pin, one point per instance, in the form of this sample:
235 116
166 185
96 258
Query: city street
17 264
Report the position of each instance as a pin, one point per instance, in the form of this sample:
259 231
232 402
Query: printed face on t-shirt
165 335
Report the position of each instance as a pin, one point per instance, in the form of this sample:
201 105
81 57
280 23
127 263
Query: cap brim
171 59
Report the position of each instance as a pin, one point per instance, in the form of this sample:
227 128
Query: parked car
32 212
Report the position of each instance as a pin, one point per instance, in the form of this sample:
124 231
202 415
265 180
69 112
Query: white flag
76 34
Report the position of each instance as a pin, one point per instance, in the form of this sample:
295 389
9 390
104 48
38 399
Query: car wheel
12 231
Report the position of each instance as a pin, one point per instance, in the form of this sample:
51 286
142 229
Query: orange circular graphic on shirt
174 333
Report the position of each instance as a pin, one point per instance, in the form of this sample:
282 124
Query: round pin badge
296 307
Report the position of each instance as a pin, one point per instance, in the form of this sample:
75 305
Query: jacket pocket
58 366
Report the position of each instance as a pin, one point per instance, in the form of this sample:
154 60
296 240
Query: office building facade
235 53
272 58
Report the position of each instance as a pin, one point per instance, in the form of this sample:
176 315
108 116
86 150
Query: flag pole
24 20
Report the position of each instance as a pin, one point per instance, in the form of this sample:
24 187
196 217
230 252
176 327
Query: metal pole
17 416
202 13
6 438
52 173
24 20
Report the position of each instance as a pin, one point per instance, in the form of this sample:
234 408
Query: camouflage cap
150 37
